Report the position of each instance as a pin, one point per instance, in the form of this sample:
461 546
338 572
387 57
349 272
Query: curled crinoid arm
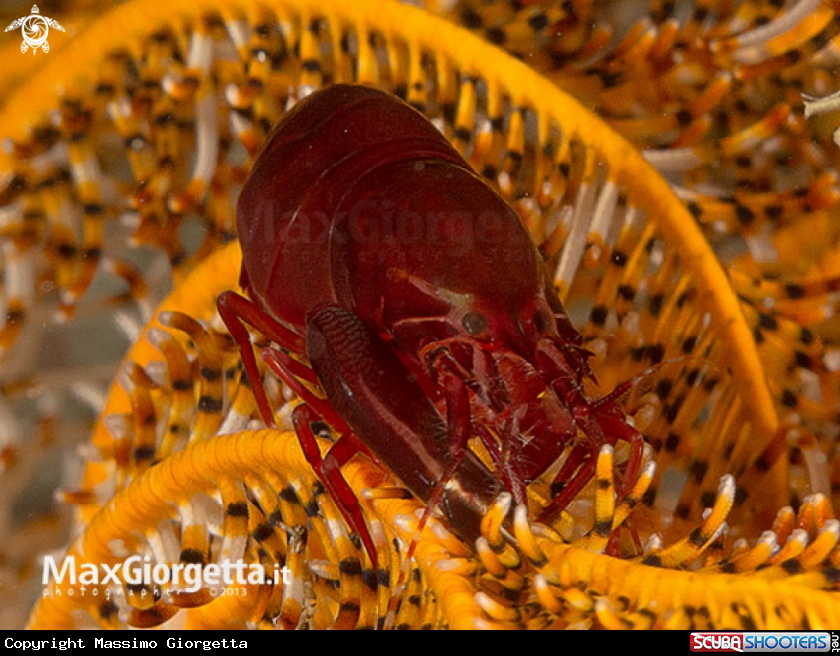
220 506
136 143
573 586
718 107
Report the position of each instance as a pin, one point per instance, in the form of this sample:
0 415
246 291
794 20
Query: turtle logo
35 29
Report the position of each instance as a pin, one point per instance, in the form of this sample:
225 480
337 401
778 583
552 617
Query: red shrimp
402 288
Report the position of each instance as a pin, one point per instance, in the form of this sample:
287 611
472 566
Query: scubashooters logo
35 29
781 641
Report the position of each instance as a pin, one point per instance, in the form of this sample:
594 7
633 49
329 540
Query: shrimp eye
474 323
542 322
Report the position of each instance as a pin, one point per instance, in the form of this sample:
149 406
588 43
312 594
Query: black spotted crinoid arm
673 216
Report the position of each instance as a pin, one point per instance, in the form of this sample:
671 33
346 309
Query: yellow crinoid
120 168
